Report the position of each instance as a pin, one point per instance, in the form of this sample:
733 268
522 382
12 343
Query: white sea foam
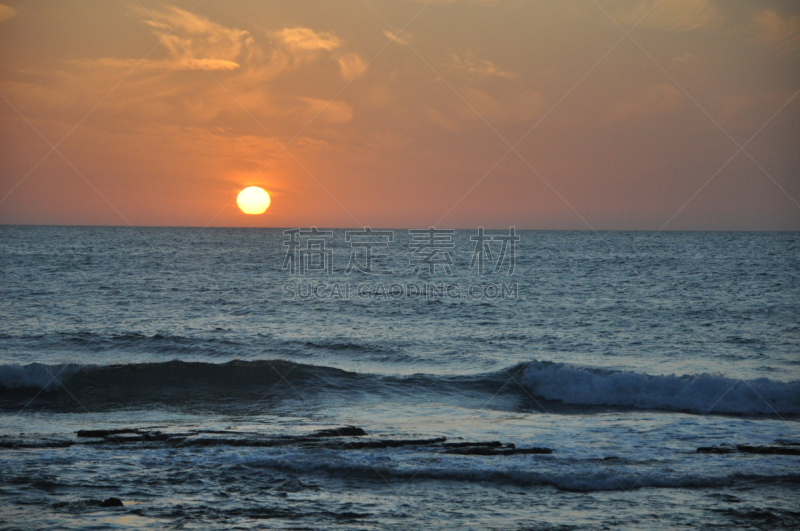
702 393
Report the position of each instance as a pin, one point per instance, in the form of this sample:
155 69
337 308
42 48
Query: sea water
564 382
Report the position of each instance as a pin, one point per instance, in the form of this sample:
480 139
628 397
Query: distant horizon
378 227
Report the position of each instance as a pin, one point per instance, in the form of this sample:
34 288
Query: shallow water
622 352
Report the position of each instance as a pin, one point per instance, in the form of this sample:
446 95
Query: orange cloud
670 15
6 12
783 33
186 63
255 74
308 39
402 38
471 64
350 65
196 36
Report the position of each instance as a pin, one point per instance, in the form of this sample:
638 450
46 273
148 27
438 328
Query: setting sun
253 200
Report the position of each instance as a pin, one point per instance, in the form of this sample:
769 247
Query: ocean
312 379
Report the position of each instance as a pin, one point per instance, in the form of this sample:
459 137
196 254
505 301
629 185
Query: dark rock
350 516
768 450
484 450
104 433
119 439
493 444
341 438
345 431
220 441
715 450
358 445
112 502
748 449
141 437
156 436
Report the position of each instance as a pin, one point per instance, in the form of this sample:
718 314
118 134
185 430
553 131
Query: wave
553 385
171 374
241 386
34 375
701 393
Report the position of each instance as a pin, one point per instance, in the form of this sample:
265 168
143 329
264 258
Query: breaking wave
553 384
700 393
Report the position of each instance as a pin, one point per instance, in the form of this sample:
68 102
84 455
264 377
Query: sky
579 115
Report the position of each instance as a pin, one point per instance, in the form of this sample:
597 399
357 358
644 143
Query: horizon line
382 228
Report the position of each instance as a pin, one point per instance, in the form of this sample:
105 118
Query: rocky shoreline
342 438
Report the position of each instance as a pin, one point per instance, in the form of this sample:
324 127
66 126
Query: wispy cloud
197 35
685 58
167 64
670 15
471 64
782 32
196 44
257 72
308 39
6 12
350 65
402 38
303 45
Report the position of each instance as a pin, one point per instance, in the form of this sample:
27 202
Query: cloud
261 76
196 35
301 45
168 64
308 39
6 12
783 33
350 65
654 100
471 64
196 43
403 38
685 58
671 15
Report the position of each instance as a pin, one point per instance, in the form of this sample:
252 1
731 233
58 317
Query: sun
253 200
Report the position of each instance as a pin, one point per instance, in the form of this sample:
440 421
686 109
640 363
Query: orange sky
402 113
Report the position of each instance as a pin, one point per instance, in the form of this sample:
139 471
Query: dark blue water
620 353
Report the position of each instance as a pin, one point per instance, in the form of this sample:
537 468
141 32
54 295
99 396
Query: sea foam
701 393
